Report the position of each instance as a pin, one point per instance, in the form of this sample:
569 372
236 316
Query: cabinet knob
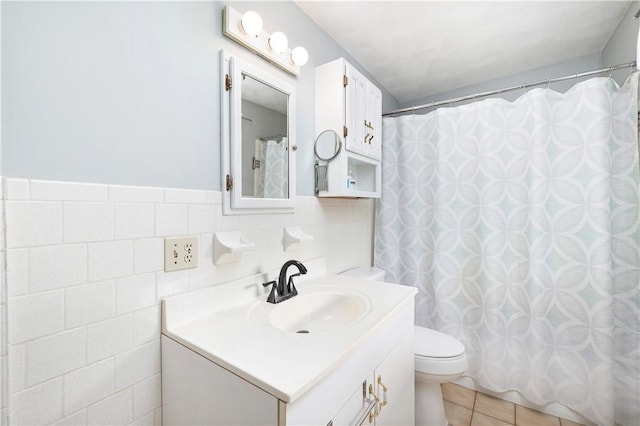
294 147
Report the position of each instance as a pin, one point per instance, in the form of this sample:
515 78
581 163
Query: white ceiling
420 48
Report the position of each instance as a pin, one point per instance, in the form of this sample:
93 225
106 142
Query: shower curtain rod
509 89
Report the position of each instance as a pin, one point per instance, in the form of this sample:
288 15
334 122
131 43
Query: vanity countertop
228 324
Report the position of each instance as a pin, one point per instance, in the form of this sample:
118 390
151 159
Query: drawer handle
373 413
366 413
384 388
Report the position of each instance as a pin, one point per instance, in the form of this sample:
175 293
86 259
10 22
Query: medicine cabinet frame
233 201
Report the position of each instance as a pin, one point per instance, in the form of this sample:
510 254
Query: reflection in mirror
264 140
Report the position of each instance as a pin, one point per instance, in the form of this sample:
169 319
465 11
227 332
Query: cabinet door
374 119
356 94
394 381
196 391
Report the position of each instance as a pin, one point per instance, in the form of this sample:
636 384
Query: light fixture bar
258 44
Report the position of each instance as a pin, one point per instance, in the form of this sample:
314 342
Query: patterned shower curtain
519 224
271 178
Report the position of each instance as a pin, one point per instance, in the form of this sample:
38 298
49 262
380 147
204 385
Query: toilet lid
434 344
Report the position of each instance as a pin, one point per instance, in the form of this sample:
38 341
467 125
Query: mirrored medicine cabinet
258 146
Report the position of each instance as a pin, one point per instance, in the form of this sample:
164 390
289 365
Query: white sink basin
319 311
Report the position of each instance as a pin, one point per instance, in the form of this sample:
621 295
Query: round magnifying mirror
327 146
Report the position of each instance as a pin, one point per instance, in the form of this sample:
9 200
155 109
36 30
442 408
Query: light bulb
299 56
278 42
251 23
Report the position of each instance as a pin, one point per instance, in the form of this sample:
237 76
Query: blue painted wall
128 92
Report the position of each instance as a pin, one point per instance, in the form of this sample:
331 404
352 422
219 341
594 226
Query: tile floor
466 407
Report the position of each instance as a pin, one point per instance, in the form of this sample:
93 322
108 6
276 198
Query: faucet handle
272 294
291 288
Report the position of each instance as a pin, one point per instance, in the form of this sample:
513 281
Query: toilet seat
434 344
438 354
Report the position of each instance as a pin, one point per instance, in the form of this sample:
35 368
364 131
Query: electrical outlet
180 253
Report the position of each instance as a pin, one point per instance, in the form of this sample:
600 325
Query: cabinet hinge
229 183
227 82
345 80
345 131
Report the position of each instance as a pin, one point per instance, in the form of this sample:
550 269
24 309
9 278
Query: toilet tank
370 273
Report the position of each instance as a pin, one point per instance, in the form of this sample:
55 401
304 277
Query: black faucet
283 289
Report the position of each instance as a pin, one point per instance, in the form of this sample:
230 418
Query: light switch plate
180 253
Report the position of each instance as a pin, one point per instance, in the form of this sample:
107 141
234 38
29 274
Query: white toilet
439 358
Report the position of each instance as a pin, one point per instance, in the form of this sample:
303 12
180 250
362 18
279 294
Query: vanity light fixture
278 42
246 29
299 56
251 23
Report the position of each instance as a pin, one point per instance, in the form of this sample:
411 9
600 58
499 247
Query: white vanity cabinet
349 104
392 384
346 400
288 379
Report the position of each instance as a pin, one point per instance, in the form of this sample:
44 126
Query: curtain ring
548 83
609 73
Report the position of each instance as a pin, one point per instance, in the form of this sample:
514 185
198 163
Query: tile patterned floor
466 407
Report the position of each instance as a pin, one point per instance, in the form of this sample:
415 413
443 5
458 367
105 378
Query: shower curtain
519 224
270 180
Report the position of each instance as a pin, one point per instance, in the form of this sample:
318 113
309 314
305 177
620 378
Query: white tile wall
38 405
31 224
87 385
84 279
112 259
89 303
16 374
134 220
83 222
146 396
79 418
55 355
17 272
58 266
35 315
114 410
107 338
4 386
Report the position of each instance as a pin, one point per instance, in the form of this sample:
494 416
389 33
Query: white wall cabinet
198 391
349 104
